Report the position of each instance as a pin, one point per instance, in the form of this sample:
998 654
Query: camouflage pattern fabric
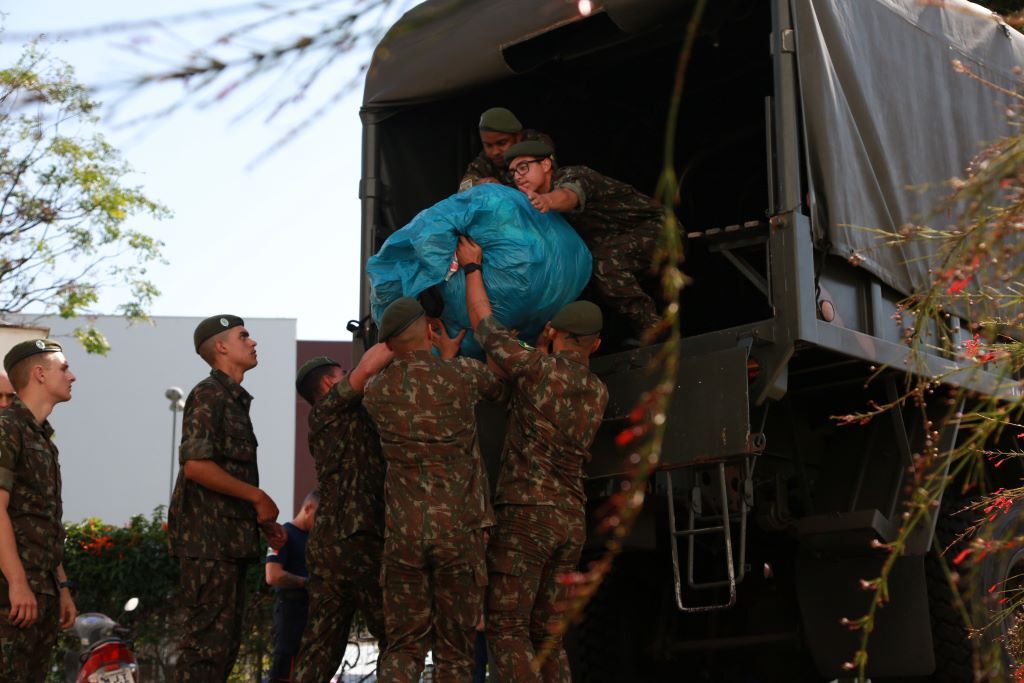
555 411
215 426
433 599
483 167
353 584
436 506
424 410
620 226
25 652
30 472
346 541
531 546
213 592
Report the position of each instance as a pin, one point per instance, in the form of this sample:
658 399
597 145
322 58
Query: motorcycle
105 651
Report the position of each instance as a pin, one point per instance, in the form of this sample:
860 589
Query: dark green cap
580 319
215 324
529 148
398 316
500 120
26 349
311 365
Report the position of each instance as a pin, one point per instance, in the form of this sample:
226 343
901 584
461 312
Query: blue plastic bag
534 263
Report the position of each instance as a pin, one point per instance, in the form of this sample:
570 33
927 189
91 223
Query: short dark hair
309 387
311 497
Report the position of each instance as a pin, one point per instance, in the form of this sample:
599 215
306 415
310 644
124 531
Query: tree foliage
65 207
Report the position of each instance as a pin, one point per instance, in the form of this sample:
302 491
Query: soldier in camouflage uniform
348 535
436 506
499 130
217 507
619 224
557 407
35 597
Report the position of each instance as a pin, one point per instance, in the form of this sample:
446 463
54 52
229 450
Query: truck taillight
107 657
753 370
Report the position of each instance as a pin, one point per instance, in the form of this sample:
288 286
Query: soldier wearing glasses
619 224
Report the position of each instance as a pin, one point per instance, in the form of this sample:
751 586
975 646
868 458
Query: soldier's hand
376 358
24 610
276 535
266 508
539 201
447 346
68 611
469 251
543 343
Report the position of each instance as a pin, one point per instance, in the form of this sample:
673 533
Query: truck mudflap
708 419
829 590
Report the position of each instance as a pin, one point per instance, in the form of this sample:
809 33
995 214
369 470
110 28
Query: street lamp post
173 394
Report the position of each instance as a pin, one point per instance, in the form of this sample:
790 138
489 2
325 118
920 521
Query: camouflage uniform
30 472
215 536
346 542
620 226
436 508
557 406
483 167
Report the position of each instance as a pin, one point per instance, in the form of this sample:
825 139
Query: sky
279 238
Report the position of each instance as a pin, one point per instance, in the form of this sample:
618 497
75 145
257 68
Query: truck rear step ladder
720 524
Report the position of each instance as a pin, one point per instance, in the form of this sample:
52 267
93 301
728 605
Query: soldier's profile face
58 377
495 144
531 174
241 347
6 391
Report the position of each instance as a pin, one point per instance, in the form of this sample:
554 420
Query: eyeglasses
522 167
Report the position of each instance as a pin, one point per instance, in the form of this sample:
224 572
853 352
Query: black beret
311 365
214 325
500 120
399 314
529 148
580 319
26 349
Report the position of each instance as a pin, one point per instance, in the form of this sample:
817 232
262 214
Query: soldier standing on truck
619 224
556 410
499 130
436 503
348 535
217 508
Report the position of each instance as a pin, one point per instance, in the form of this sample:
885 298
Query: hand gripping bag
534 263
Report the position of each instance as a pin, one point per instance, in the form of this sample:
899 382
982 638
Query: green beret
214 325
529 148
311 365
398 316
26 349
580 319
500 120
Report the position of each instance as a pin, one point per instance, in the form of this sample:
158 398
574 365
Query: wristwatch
472 268
66 583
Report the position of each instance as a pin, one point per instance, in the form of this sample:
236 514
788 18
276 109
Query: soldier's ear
596 346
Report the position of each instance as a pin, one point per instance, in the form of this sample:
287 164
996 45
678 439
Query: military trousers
531 546
433 599
619 263
350 580
213 594
25 653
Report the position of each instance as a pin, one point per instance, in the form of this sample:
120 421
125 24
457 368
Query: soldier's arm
24 610
207 473
560 199
373 361
477 302
68 611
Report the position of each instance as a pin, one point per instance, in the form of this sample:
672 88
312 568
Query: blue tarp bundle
534 263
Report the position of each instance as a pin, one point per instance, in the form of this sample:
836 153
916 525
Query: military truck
803 125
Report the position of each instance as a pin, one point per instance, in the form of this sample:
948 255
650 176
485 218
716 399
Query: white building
114 436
